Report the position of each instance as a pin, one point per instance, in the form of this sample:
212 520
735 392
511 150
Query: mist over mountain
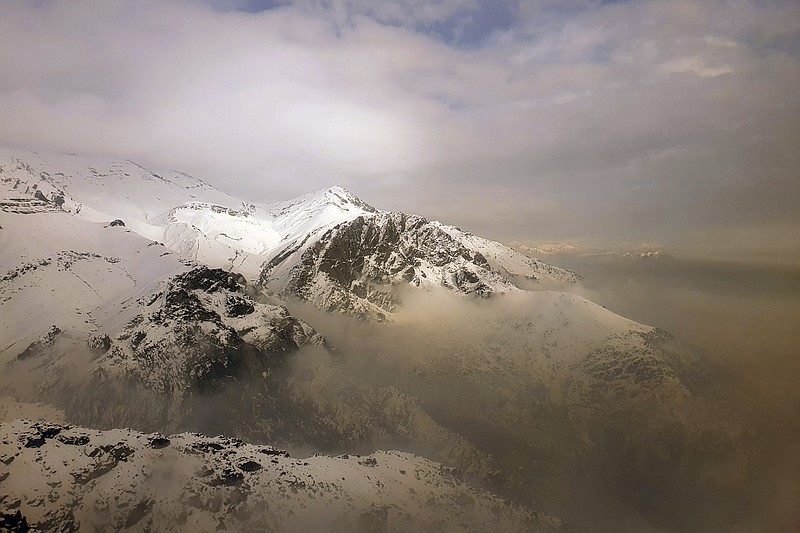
741 314
749 307
154 302
400 266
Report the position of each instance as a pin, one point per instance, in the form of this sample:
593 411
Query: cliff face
195 335
355 267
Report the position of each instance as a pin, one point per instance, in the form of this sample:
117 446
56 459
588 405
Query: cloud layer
527 120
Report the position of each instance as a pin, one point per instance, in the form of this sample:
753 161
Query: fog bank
742 315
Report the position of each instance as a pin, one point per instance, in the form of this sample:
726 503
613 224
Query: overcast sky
599 123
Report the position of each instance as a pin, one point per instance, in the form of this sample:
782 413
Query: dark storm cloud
578 120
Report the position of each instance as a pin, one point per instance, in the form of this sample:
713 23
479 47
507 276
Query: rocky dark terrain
355 267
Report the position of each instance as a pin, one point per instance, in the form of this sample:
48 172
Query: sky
601 123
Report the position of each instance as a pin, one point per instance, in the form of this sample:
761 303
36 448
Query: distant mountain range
571 250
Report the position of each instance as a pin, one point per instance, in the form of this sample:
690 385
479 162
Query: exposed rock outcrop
355 267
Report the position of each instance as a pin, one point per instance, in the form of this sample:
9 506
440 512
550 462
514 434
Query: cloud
412 13
712 40
694 65
519 120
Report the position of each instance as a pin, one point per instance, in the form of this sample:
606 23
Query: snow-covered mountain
127 481
154 301
187 215
280 244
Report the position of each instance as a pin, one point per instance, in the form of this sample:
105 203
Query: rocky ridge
202 333
70 478
357 266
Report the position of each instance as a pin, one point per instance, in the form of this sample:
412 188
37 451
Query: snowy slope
101 189
60 269
66 477
186 214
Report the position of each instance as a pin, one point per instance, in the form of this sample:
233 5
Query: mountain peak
342 198
338 189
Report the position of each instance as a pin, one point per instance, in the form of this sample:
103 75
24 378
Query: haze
596 122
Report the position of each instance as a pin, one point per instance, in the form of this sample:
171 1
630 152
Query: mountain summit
340 197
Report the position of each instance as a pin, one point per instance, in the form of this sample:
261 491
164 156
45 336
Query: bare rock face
39 196
42 344
355 266
99 344
203 328
14 522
